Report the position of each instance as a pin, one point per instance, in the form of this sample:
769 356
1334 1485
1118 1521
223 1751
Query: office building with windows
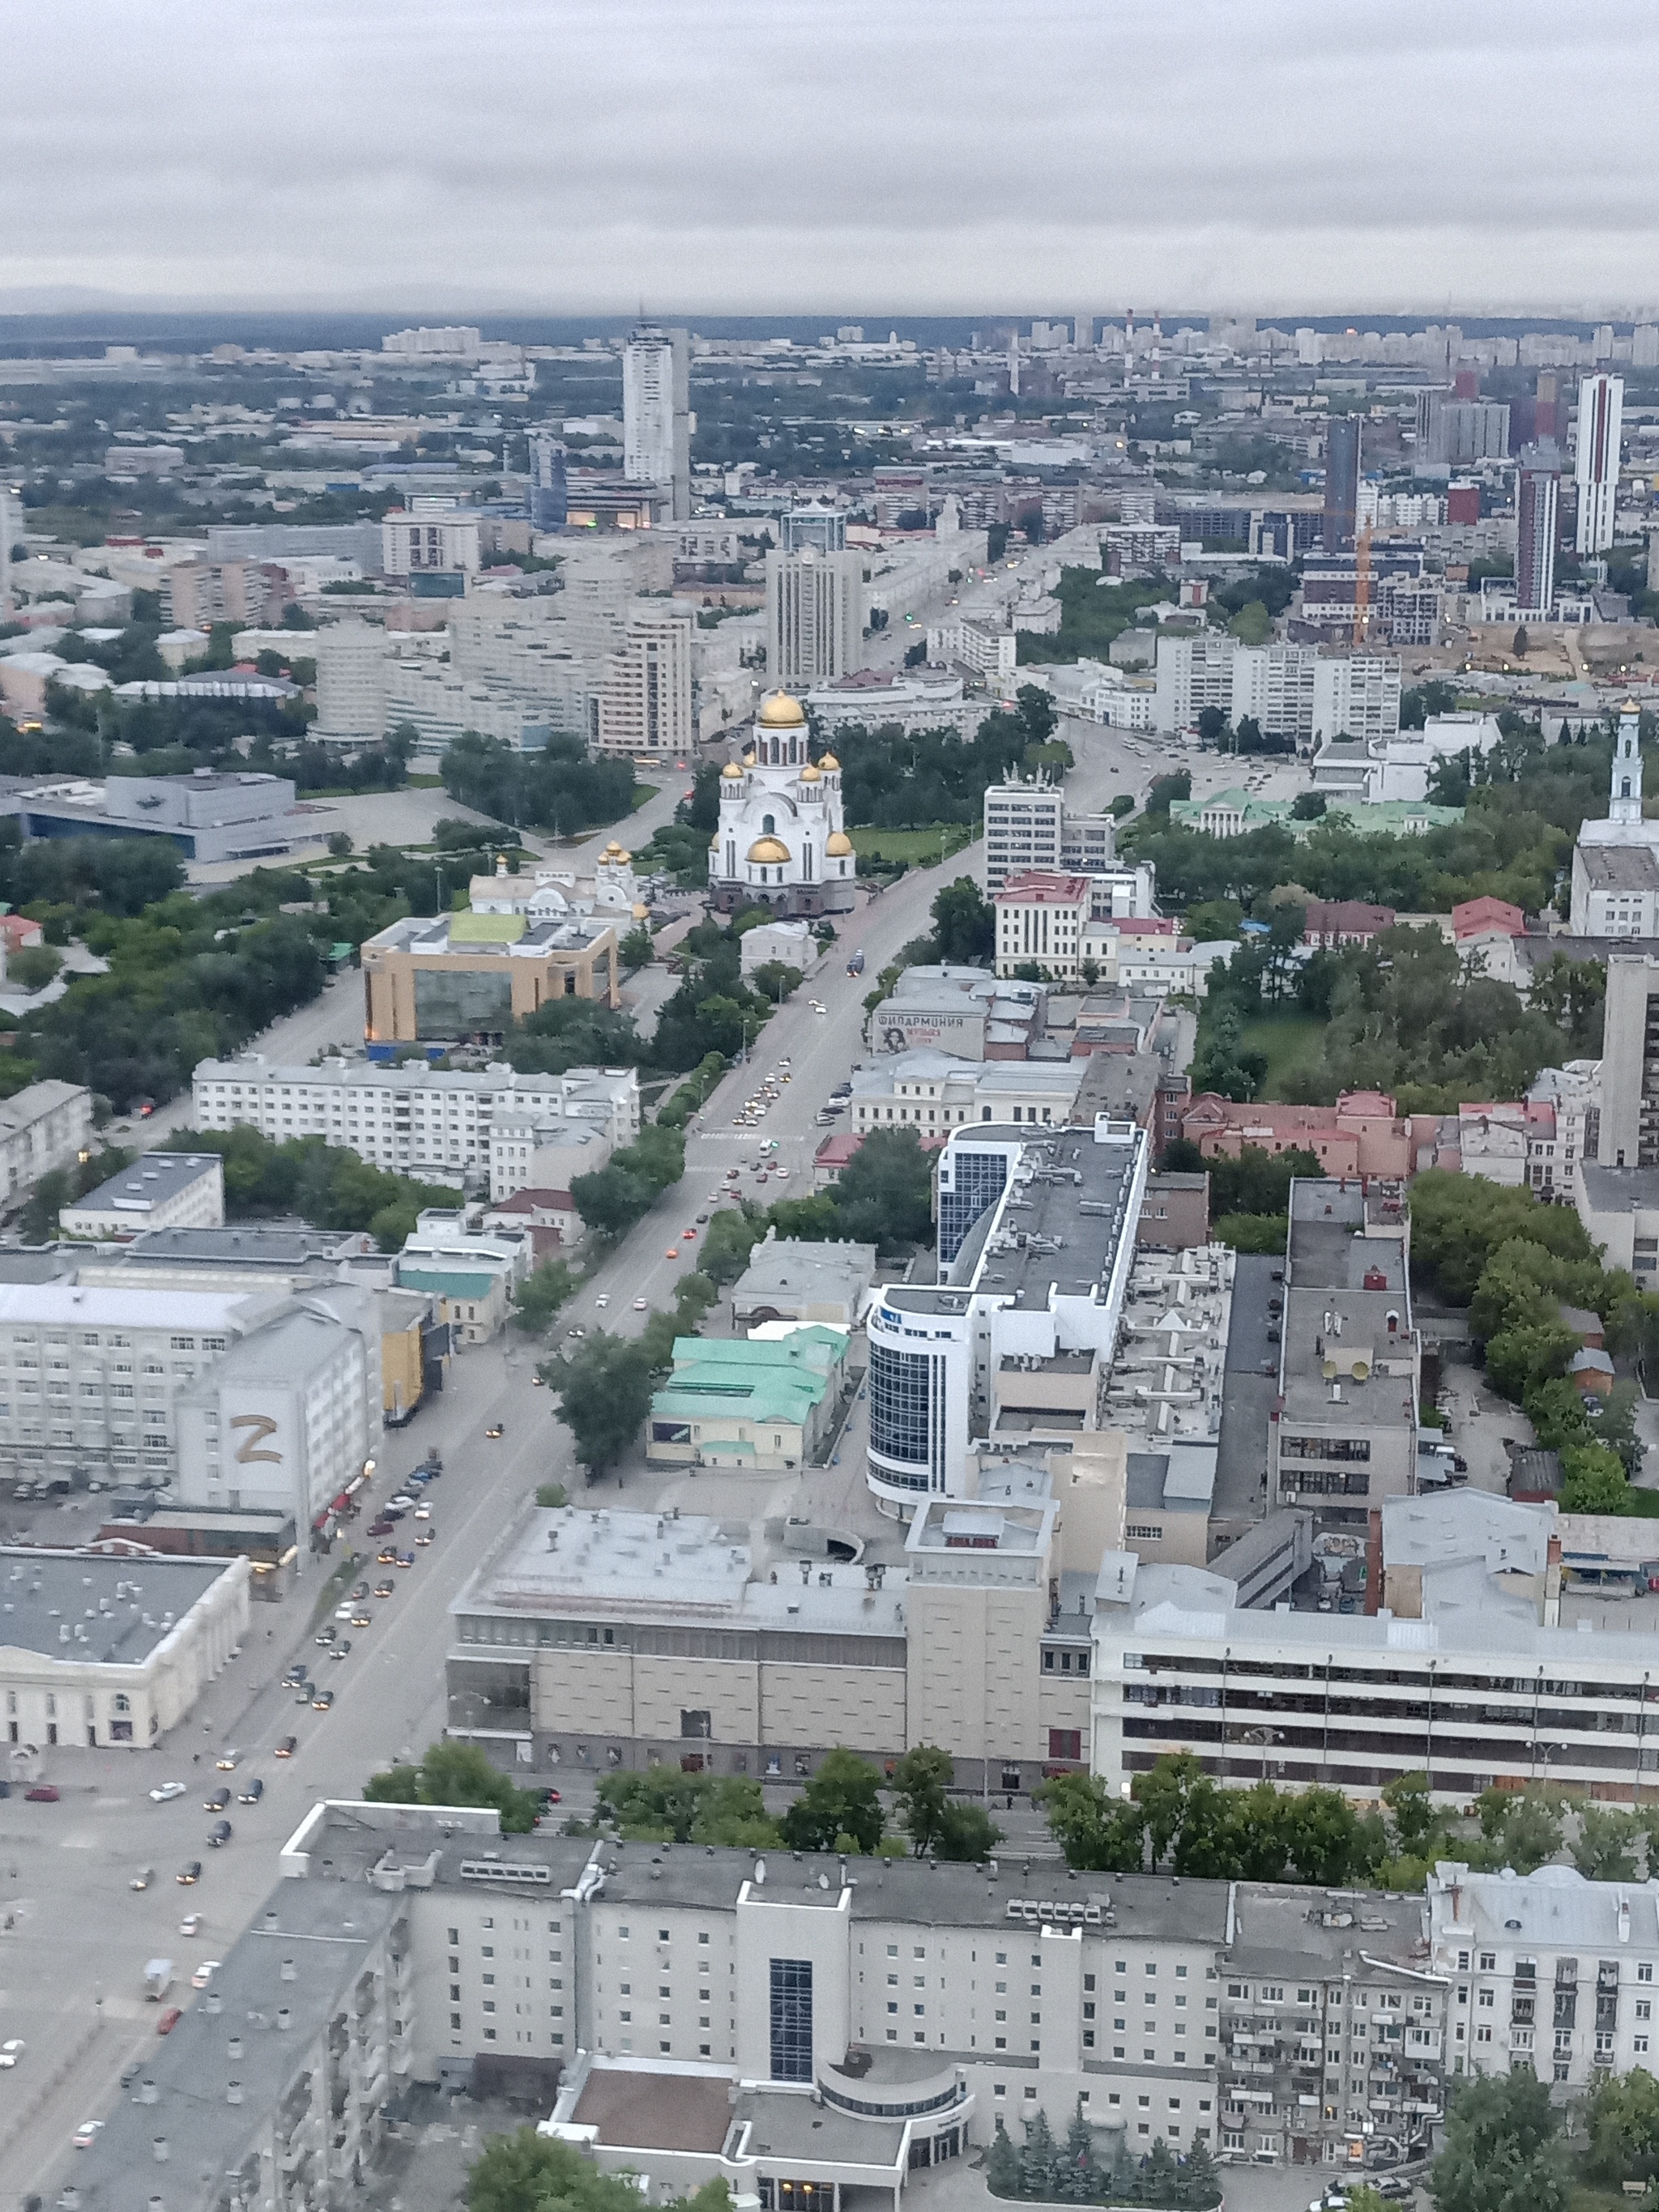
1537 496
1341 481
656 414
643 701
1595 464
814 615
549 487
1035 1241
455 977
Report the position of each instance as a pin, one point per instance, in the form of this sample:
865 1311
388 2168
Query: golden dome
640 911
781 711
714 844
770 850
731 772
839 845
748 757
830 764
811 775
612 850
623 856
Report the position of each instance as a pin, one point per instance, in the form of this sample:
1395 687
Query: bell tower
1625 797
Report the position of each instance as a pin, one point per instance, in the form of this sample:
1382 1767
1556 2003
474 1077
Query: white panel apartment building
814 616
644 704
412 1120
1304 692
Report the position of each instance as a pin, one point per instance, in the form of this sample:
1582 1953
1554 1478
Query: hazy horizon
730 157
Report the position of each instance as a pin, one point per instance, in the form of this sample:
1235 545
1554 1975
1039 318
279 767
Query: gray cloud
874 155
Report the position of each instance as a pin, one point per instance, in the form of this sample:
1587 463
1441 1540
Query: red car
168 2020
381 1528
44 1793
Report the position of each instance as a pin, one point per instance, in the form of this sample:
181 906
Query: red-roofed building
551 1215
18 932
1483 917
1361 1135
1331 922
834 1153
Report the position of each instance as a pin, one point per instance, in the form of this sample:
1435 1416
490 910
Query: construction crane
1362 585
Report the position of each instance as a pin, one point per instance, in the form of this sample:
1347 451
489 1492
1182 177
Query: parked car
326 1635
322 1701
251 1791
360 1590
228 1761
385 1590
341 1649
12 2052
387 1554
285 1749
142 1879
165 1792
44 1793
494 1430
425 1536
380 1528
87 2133
205 1973
219 1833
405 1559
190 1924
168 2020
190 1872
362 1620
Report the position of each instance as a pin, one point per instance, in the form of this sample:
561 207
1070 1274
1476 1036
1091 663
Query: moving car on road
494 1430
166 1792
285 1749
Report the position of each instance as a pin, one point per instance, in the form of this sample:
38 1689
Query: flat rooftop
1279 1928
1061 1221
116 1611
150 1181
588 1564
647 2110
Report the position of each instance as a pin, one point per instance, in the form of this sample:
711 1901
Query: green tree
920 1785
603 1384
1197 2185
1521 644
1210 918
1594 1481
1079 2178
1097 1832
34 967
538 1297
1308 807
841 1799
1609 1844
528 2173
456 1774
1412 1809
1002 2164
728 1241
638 949
1039 2161
1622 2123
967 1834
964 923
1501 2150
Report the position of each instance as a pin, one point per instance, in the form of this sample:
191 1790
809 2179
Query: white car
87 2134
11 2052
641 1305
190 1924
205 1973
603 1299
167 1792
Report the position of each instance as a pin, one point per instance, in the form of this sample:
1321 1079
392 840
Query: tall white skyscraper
656 413
814 616
7 538
1600 414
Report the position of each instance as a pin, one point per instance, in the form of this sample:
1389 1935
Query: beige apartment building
471 976
645 692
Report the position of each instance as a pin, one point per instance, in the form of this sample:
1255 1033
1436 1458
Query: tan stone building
470 976
601 1639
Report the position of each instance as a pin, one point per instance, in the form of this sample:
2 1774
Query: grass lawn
424 782
1289 1041
918 847
642 797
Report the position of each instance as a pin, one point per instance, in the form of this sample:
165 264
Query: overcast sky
871 155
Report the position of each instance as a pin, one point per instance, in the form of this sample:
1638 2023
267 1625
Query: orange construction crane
1362 585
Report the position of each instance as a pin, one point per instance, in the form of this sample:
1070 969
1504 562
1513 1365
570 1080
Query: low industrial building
788 1279
101 1651
416 1119
466 978
748 1404
207 816
160 1190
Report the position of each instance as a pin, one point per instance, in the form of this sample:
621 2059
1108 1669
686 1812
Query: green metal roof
448 1280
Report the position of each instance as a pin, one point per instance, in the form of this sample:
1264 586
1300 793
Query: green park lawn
921 847
1291 1041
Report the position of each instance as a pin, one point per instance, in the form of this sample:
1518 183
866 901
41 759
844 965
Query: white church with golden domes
780 843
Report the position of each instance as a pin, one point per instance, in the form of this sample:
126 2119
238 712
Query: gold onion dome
828 764
811 775
731 772
838 845
770 851
641 911
781 711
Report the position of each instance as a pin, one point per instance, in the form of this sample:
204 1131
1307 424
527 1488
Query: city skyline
769 164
